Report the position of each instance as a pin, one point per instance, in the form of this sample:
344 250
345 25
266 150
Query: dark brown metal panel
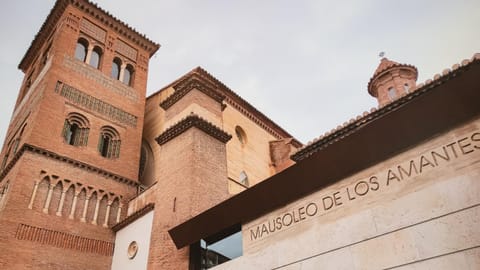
434 109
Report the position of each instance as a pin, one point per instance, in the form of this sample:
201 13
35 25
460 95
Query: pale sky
305 64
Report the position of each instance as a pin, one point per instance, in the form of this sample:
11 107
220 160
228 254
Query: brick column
193 165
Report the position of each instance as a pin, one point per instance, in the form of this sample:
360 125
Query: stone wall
417 210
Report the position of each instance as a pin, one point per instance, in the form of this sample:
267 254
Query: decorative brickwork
93 30
125 50
94 104
72 21
71 199
90 73
63 240
190 84
76 163
193 121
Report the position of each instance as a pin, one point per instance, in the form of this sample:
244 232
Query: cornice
73 162
188 85
136 215
93 10
237 102
193 121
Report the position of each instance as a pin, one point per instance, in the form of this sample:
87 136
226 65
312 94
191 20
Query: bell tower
391 80
70 159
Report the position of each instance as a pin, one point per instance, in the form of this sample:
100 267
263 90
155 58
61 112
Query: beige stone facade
417 210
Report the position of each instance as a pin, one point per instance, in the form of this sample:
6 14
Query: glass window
243 178
81 50
127 75
109 143
219 250
95 57
391 93
116 68
76 129
406 88
241 135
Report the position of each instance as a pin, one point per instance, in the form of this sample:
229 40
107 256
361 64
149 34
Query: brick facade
63 189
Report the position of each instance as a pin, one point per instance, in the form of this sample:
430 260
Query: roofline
58 10
231 97
420 115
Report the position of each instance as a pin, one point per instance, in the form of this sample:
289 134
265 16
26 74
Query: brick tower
71 154
391 80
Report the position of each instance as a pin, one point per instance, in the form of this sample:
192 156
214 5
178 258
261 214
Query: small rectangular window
391 93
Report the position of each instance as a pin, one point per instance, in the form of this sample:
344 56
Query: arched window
109 142
4 161
128 75
406 88
241 135
95 57
76 129
243 178
116 65
3 191
17 140
391 93
81 50
147 165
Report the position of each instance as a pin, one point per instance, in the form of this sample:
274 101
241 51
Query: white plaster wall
427 221
139 231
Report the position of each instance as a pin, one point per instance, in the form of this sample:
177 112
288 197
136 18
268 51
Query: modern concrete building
96 175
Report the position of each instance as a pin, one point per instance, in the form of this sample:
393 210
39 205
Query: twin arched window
109 142
122 73
76 129
91 56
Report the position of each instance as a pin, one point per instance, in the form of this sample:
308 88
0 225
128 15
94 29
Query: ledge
193 120
189 85
134 216
73 162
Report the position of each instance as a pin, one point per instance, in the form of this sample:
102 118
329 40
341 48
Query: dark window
76 129
81 50
4 162
95 57
143 160
109 143
15 145
241 135
117 63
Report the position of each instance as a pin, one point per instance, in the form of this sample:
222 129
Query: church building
96 175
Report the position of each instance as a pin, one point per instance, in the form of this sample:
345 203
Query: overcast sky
305 64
